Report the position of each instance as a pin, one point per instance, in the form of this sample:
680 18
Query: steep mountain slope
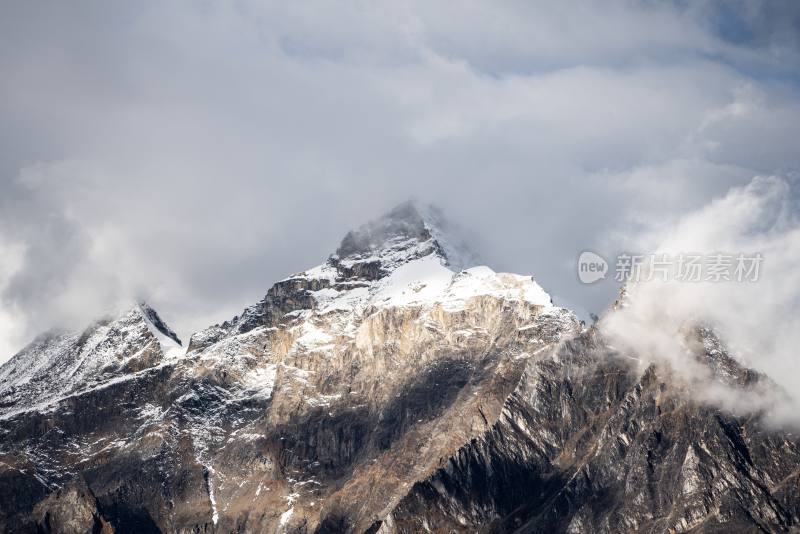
57 363
387 390
591 442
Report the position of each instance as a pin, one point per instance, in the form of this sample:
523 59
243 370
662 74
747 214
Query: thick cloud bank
192 153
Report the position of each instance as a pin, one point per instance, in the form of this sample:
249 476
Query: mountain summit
418 230
395 388
411 252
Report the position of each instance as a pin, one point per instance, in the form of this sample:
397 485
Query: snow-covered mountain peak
409 258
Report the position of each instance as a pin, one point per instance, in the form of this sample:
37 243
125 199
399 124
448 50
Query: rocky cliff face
387 390
588 443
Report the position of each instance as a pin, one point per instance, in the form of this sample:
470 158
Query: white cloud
11 328
758 321
189 152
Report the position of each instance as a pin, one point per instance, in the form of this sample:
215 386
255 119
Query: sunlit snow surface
427 281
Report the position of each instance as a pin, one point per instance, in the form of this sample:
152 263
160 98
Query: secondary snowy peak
59 363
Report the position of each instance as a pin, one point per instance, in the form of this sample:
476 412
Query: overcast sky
195 152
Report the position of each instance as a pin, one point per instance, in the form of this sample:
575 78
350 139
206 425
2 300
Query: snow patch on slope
170 343
260 382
